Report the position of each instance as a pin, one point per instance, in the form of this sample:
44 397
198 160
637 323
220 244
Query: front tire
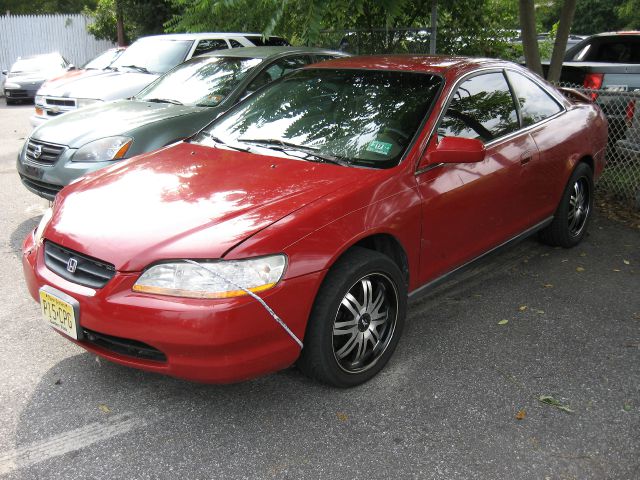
356 320
570 222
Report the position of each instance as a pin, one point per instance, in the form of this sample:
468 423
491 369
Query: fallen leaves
627 407
103 408
503 322
549 400
626 262
522 308
342 416
521 415
579 269
548 285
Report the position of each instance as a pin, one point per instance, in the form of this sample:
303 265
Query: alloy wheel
365 322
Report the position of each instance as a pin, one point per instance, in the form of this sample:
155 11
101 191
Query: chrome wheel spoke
367 290
347 347
352 305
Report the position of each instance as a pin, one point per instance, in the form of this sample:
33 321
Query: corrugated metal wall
22 35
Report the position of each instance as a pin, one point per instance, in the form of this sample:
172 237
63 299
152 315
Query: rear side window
609 50
205 46
235 43
276 70
482 108
268 42
535 103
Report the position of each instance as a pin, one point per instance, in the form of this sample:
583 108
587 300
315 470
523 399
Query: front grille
124 346
47 190
88 271
43 152
60 102
17 93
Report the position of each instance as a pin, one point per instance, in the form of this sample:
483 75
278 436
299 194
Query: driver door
469 208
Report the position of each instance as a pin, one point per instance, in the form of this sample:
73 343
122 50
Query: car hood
79 127
68 77
186 201
108 85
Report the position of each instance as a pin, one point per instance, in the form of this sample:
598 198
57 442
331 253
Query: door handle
525 158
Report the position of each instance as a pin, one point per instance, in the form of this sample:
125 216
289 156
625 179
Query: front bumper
22 93
46 180
212 341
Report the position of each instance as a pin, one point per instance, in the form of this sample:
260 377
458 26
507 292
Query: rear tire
570 222
356 320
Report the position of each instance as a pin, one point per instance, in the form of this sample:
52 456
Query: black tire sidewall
567 239
317 358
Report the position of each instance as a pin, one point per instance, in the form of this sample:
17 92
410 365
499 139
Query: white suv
139 65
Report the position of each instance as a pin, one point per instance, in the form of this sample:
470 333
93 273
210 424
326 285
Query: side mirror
4 72
454 150
71 66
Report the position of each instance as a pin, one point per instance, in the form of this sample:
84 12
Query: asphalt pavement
526 367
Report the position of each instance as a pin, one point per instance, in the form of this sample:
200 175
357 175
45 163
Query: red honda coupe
295 227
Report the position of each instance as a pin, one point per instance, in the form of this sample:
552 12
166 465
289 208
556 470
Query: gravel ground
459 400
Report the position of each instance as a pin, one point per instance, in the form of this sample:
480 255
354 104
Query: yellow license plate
59 314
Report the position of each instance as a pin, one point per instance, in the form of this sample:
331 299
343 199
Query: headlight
39 100
44 221
109 148
11 85
212 279
85 102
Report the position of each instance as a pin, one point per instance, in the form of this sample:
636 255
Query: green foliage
141 17
591 16
629 14
20 7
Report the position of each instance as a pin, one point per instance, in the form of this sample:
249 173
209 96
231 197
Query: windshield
203 81
154 56
37 64
360 117
103 60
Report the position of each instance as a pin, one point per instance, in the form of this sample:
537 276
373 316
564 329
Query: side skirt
447 276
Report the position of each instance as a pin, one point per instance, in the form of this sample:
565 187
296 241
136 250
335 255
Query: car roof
206 35
264 52
439 64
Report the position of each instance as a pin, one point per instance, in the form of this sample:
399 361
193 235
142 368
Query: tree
529 36
562 35
629 14
138 18
20 7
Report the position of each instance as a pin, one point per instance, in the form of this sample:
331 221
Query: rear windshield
354 117
153 56
607 50
268 42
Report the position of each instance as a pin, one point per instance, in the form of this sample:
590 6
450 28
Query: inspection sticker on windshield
375 146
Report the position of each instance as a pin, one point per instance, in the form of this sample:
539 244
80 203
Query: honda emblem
72 264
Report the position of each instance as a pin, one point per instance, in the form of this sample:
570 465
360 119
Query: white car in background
139 65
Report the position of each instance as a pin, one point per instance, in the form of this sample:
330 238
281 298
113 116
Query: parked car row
282 204
172 108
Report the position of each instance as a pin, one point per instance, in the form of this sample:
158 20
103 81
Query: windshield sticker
383 148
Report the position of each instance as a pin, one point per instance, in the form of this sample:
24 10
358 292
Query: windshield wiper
163 100
136 67
219 141
287 147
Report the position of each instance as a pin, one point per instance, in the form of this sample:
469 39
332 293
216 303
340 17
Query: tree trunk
120 25
529 36
562 35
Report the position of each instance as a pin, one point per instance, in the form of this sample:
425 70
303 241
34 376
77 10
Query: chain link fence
621 176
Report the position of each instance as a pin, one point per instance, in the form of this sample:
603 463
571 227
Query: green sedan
172 108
